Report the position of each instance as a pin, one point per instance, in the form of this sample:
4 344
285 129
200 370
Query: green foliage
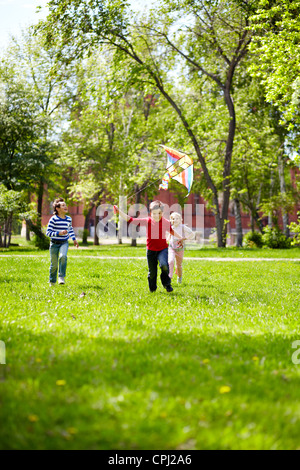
295 228
278 202
154 52
274 238
12 205
20 127
111 145
42 243
85 235
253 239
276 25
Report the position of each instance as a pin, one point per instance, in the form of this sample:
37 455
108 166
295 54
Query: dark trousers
153 258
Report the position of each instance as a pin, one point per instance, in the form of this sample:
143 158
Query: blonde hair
174 214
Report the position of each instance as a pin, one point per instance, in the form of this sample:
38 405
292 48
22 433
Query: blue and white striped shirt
57 224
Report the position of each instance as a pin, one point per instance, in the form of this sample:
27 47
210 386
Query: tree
211 45
12 204
276 28
20 127
31 59
110 148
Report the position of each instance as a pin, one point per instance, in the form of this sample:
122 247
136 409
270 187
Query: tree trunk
9 229
285 221
27 227
285 215
1 242
86 227
35 229
137 201
252 222
96 204
228 156
120 241
238 223
27 232
270 216
258 221
96 238
5 233
119 230
40 202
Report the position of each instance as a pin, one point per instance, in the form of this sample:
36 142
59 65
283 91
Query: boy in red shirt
157 247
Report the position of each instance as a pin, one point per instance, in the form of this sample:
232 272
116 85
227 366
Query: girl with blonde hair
176 247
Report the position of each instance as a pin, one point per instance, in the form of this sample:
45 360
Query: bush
85 235
295 228
274 238
253 240
41 243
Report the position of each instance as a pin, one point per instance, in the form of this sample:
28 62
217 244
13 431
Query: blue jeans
153 258
58 256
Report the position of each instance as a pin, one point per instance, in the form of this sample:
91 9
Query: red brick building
168 198
206 227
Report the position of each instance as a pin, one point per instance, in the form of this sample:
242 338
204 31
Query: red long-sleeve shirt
156 232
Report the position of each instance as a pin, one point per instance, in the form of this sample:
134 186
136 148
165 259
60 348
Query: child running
176 246
157 247
59 230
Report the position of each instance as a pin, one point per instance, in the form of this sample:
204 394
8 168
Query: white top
182 230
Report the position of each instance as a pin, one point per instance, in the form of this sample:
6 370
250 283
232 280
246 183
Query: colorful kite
179 168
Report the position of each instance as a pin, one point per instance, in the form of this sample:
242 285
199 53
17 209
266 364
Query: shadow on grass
157 390
21 249
91 287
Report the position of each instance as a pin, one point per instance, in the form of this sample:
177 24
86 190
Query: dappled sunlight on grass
206 367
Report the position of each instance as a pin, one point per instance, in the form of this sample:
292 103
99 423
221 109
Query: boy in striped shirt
59 230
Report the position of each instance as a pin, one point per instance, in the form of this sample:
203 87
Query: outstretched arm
122 214
188 233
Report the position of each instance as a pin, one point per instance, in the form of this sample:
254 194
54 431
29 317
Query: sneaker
169 288
179 280
61 280
51 284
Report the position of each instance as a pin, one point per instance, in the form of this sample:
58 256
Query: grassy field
192 250
100 363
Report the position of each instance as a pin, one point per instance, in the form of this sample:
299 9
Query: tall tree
112 133
209 37
20 127
29 58
276 28
12 204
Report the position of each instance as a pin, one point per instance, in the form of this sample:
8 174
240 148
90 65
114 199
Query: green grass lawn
206 367
192 250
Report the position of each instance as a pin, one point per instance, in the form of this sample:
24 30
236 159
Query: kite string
150 184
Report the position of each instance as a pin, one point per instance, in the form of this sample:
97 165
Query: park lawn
192 250
206 367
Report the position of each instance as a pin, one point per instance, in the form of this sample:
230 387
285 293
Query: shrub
42 243
295 228
274 238
85 235
253 240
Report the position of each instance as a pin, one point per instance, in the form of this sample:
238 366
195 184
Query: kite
179 168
